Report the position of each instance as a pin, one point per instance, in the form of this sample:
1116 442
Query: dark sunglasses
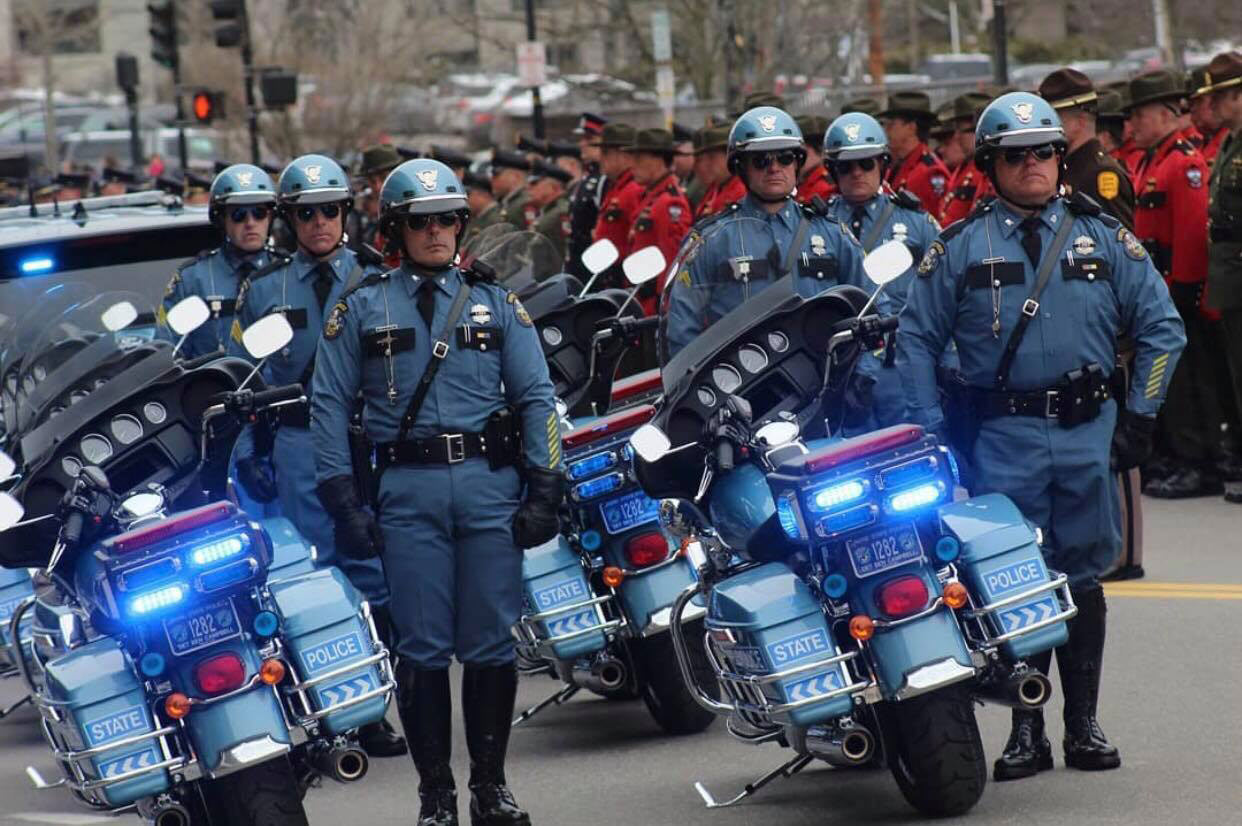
764 160
421 222
845 167
1017 154
329 211
259 213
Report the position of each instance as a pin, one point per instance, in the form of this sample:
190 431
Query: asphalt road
1170 702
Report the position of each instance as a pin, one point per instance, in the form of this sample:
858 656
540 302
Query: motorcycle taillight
646 549
219 674
902 597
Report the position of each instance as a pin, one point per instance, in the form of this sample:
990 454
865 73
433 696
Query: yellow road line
1176 586
1174 590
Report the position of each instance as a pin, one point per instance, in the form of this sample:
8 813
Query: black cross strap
439 350
877 228
1030 307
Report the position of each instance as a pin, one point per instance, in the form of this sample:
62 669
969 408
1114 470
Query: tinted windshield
520 258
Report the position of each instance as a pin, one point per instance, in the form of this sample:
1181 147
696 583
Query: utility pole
875 42
912 22
535 98
1000 55
1164 33
164 50
235 31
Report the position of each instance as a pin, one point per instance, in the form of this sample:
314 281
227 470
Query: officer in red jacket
621 203
1204 117
724 188
906 122
1171 185
813 178
969 185
663 217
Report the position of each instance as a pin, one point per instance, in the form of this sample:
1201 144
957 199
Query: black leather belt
1053 403
1225 234
445 449
293 415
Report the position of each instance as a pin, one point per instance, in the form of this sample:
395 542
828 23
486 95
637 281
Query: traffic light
229 34
163 32
207 105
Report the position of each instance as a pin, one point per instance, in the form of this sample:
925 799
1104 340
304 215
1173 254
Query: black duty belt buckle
454 447
1052 404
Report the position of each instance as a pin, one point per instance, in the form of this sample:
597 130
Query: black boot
1187 483
1079 662
1027 752
426 708
487 697
379 739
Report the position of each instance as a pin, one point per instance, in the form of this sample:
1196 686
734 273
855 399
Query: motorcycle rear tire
661 686
935 752
263 795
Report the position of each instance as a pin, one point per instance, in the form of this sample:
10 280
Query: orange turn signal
613 576
176 705
955 595
272 671
862 627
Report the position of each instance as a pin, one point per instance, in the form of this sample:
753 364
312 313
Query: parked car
91 148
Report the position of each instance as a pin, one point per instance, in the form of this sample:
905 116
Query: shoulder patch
1131 244
335 321
523 317
1107 184
906 198
930 258
1194 177
173 282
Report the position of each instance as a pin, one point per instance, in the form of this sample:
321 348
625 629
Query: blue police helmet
242 183
421 186
763 129
854 135
1018 119
314 179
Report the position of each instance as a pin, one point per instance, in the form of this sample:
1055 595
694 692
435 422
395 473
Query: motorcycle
855 609
597 599
174 674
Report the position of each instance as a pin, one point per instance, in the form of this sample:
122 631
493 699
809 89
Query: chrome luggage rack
531 629
980 624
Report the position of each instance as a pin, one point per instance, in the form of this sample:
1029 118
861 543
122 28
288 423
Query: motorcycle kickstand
789 769
5 712
560 697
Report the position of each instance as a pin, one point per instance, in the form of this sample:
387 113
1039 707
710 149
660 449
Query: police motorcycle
854 609
173 675
597 599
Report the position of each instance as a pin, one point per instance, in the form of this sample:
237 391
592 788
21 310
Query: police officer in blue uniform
314 197
243 202
1036 289
745 245
460 407
857 157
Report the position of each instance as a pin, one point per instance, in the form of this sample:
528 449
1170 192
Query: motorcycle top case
777 625
15 586
553 581
322 627
97 689
1000 558
290 551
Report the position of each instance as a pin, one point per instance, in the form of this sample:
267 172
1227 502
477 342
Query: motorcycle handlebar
288 392
724 455
72 531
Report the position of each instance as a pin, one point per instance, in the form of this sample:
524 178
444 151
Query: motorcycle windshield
77 353
728 265
521 258
486 238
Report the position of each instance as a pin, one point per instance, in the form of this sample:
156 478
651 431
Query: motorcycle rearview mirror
775 434
118 316
186 316
650 443
642 266
11 511
884 264
596 258
264 337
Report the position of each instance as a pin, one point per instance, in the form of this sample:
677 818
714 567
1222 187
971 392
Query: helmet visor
1027 137
320 195
237 198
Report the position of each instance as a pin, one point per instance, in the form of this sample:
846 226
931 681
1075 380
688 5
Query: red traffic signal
207 106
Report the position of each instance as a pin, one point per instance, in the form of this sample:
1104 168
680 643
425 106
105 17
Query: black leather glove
357 534
536 521
858 399
258 478
1131 440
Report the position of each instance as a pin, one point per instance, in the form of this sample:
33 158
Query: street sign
532 63
661 40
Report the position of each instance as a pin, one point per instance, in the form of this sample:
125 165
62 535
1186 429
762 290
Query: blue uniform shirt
976 275
290 289
494 360
731 263
215 276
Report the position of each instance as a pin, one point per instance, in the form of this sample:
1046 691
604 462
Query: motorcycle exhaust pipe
604 674
1023 689
840 746
345 764
171 814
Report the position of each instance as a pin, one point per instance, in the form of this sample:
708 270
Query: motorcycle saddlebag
555 588
324 630
15 586
765 621
102 701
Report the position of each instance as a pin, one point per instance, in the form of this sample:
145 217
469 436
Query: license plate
202 627
628 511
883 549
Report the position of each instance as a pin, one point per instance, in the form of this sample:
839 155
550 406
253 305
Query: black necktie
244 270
1030 240
427 301
323 283
857 222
